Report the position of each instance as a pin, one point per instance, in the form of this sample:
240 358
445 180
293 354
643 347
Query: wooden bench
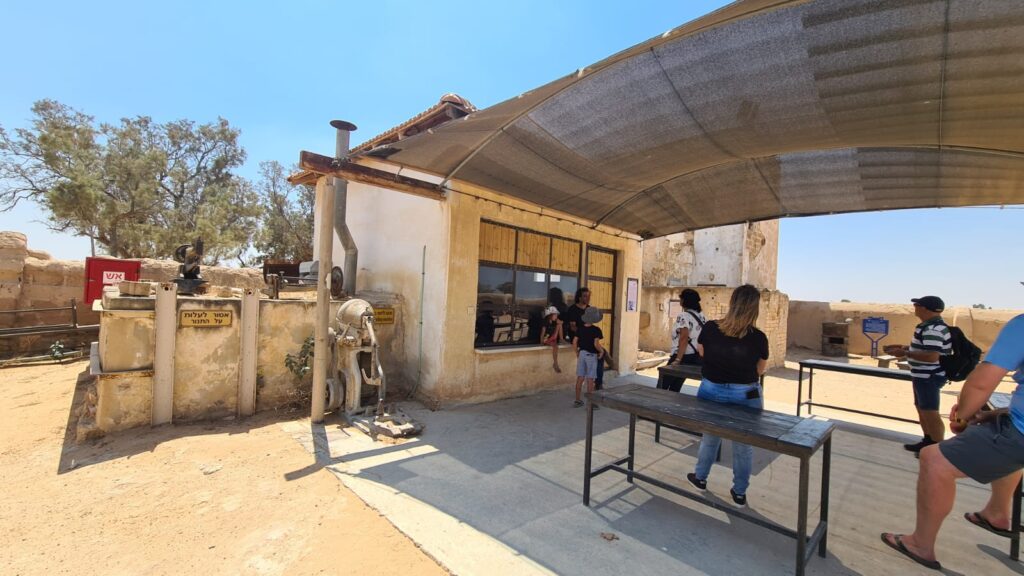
681 371
781 433
812 365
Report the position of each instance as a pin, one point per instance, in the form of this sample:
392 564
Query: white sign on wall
112 277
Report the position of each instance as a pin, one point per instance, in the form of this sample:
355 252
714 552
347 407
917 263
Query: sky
281 71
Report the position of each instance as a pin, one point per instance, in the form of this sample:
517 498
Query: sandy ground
221 498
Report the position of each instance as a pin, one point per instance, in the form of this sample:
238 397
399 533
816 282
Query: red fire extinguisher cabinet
100 272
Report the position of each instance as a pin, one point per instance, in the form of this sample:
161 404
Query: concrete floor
496 488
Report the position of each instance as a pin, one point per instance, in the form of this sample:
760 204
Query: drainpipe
341 207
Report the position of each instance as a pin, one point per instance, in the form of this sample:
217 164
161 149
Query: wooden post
321 348
166 326
247 359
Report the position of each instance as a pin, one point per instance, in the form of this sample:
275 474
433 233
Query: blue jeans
742 454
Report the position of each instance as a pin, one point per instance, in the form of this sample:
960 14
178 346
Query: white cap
550 310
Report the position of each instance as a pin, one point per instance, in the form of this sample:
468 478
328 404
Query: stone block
127 341
15 241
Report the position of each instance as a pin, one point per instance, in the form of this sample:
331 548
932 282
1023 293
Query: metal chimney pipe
341 148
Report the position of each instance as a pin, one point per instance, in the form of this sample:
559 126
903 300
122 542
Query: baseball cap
592 315
933 303
550 310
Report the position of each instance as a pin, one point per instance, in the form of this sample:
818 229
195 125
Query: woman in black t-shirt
735 354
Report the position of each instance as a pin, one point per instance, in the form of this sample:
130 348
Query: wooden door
601 281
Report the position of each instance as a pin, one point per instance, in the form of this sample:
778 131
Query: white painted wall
390 230
718 255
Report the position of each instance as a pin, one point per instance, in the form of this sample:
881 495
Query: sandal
978 520
899 547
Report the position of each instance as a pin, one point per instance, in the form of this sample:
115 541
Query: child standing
589 351
551 334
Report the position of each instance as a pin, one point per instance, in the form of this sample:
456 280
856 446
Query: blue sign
875 325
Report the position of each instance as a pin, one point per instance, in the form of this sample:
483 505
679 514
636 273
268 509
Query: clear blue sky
280 71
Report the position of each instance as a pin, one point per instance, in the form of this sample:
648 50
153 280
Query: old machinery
189 280
357 370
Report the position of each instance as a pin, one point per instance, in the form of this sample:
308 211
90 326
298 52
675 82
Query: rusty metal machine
357 370
189 280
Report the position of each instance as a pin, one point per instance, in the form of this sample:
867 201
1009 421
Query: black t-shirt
573 314
729 360
587 335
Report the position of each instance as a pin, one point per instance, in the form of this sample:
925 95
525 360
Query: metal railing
37 329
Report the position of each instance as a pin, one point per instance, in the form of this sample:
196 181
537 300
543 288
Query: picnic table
781 433
812 365
682 371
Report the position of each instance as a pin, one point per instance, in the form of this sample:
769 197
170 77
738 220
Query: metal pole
321 348
341 146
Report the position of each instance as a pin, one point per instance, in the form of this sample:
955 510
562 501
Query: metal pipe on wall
341 147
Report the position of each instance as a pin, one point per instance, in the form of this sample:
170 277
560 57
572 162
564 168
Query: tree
138 188
979 306
286 222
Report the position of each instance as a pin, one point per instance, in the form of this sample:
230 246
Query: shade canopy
764 109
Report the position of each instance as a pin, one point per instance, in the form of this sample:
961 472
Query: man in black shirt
589 351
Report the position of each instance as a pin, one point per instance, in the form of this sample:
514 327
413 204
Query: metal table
811 365
781 433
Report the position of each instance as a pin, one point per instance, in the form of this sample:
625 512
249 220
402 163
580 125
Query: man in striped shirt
931 340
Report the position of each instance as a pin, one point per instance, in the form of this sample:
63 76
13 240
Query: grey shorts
586 364
986 452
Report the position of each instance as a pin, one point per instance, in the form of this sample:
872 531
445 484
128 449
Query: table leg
586 453
657 432
799 389
1015 524
632 444
810 390
826 471
801 521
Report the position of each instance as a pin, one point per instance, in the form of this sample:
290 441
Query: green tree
286 222
137 188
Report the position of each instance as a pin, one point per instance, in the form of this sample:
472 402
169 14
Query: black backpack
964 358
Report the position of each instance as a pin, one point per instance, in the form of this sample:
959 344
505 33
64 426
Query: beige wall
805 318
658 317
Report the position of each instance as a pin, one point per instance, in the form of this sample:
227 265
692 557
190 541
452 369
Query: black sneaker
925 442
738 499
700 484
577 404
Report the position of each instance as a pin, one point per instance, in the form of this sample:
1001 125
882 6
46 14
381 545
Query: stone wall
726 256
32 279
660 305
805 319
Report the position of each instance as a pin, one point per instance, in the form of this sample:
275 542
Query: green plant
299 364
57 351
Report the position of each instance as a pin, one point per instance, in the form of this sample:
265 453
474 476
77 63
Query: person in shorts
551 334
988 447
589 351
931 340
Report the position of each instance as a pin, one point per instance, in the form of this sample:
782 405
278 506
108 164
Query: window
520 274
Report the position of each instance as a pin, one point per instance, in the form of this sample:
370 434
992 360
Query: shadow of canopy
763 109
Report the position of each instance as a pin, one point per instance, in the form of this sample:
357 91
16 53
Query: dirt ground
222 498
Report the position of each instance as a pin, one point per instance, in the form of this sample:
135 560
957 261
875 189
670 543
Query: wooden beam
358 173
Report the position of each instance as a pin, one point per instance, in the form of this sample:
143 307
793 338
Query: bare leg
590 384
936 490
932 424
997 511
579 387
554 356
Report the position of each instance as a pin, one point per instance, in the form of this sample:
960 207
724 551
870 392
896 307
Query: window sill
509 349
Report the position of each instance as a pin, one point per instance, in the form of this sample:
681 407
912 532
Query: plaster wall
127 340
719 255
659 313
124 400
283 326
391 230
206 364
806 317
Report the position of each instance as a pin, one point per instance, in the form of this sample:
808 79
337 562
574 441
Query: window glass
531 299
564 286
493 303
